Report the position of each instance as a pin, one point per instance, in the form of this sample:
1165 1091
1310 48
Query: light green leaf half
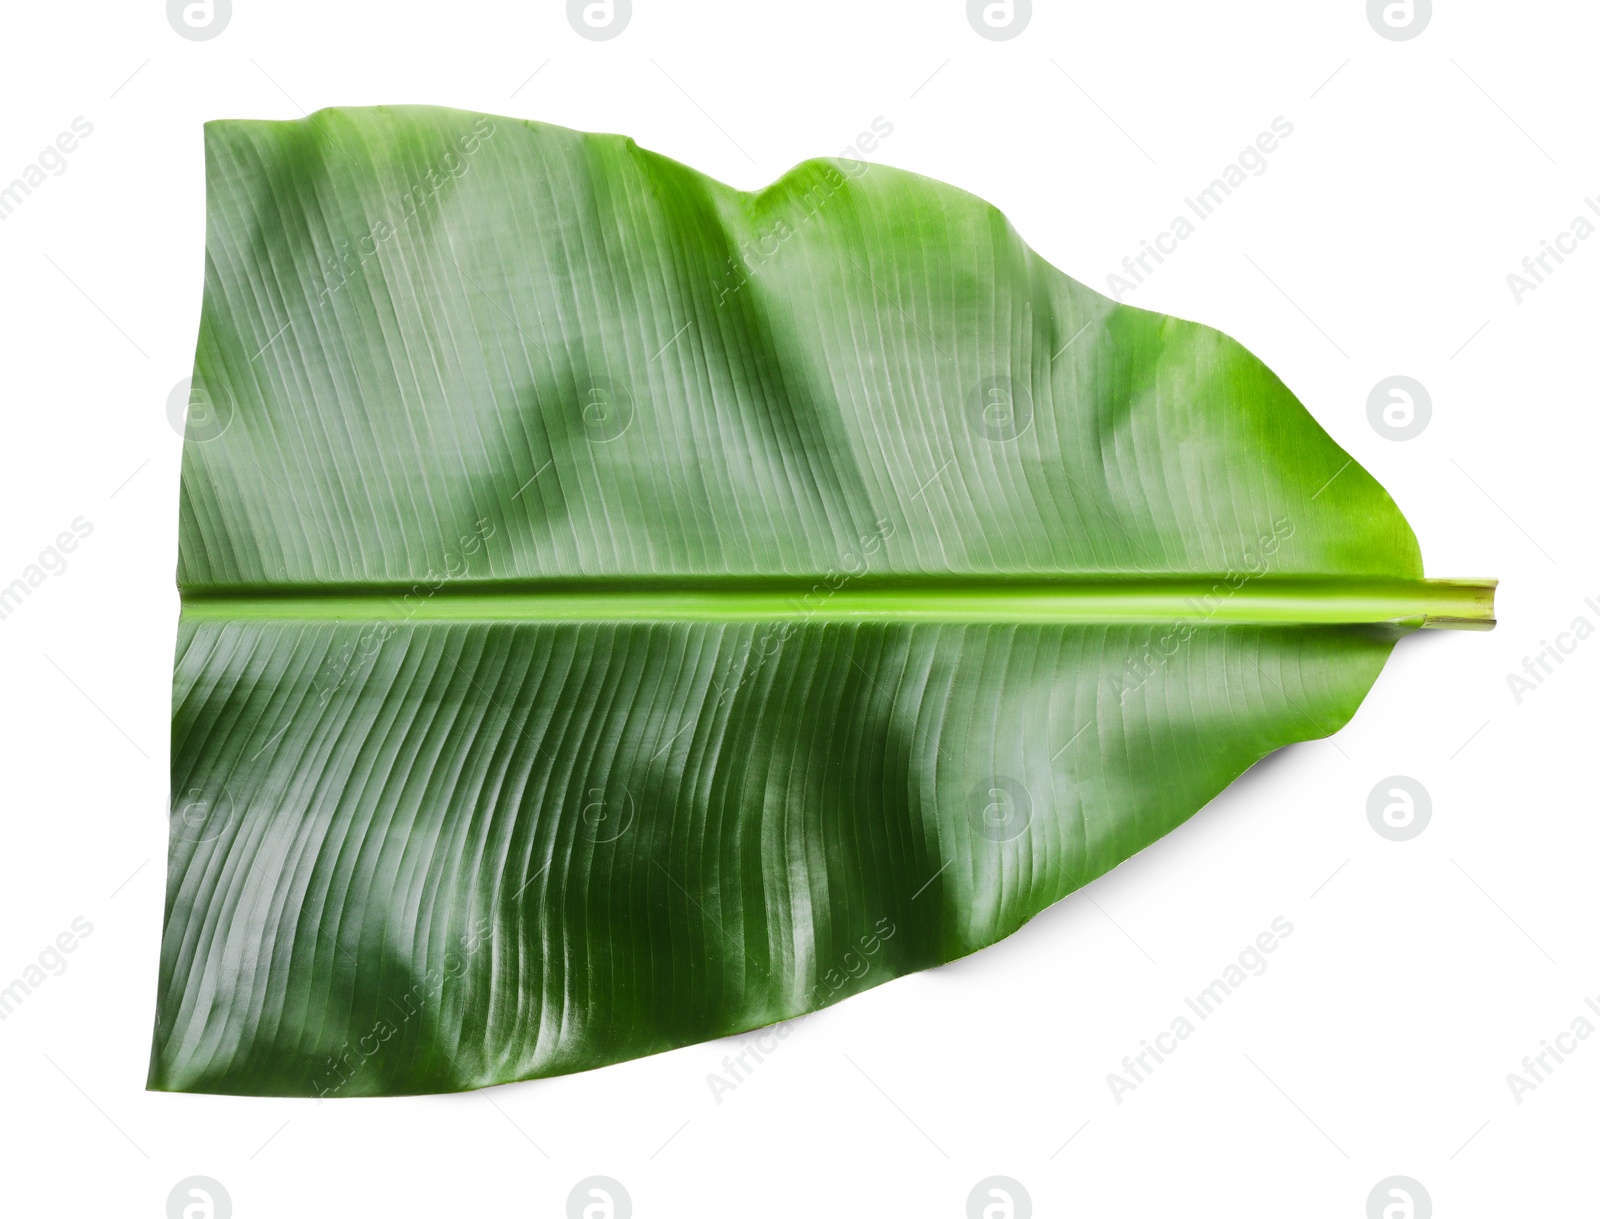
621 610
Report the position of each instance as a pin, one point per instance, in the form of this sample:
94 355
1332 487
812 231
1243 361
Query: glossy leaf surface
621 610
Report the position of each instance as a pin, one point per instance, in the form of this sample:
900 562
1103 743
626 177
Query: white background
1418 975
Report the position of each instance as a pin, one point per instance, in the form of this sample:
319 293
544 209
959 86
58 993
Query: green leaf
620 610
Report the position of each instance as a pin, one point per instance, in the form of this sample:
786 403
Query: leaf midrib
1222 600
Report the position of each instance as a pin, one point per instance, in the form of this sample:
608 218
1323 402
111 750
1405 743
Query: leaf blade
620 610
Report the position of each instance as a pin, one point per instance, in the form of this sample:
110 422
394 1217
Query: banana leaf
619 610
